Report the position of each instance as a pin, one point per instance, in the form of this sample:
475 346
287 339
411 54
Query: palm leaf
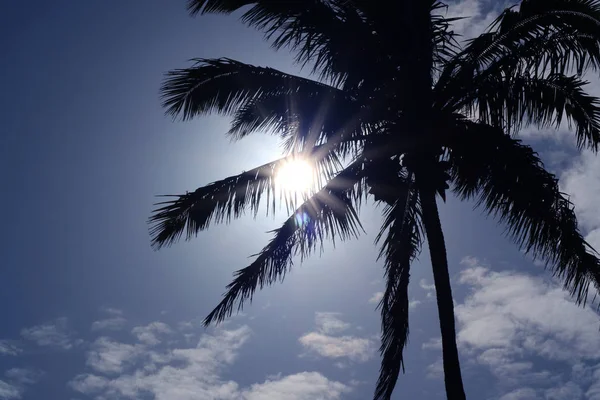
510 102
556 34
224 85
329 35
301 120
230 197
329 214
509 180
401 245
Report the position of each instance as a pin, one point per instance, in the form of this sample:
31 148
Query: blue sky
89 311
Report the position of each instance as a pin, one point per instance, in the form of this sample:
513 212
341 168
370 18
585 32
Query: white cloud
185 326
432 344
53 334
17 381
435 370
511 321
110 324
426 286
108 356
113 312
569 391
149 334
89 384
329 322
429 288
23 376
521 394
323 342
302 386
479 15
194 374
413 304
376 298
8 349
582 182
353 348
8 391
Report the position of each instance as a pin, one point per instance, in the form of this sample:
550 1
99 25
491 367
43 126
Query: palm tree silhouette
399 111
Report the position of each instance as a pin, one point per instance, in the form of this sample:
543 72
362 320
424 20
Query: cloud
149 334
376 298
517 325
323 342
24 376
8 391
108 356
17 381
478 16
52 334
113 312
582 182
432 344
353 348
435 370
521 394
413 304
329 322
110 324
194 373
8 349
429 288
302 386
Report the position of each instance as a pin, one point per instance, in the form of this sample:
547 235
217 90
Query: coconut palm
398 110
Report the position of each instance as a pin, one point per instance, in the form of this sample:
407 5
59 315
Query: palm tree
398 111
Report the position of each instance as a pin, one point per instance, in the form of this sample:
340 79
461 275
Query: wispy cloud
109 324
329 322
17 381
477 16
7 348
52 334
413 304
185 373
150 333
110 357
582 182
302 386
376 298
8 391
432 344
511 322
325 342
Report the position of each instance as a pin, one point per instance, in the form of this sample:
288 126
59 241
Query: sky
90 311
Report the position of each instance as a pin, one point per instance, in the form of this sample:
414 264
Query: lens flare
295 176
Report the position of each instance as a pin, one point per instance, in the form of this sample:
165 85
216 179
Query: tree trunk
443 290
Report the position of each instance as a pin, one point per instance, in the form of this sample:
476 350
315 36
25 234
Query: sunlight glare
295 176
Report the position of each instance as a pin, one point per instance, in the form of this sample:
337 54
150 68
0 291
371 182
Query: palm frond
510 102
301 120
509 180
229 198
329 34
216 6
401 246
445 40
329 214
554 34
224 85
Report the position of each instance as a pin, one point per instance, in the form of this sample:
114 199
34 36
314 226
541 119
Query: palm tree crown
400 111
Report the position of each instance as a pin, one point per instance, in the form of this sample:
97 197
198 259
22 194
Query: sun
295 176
